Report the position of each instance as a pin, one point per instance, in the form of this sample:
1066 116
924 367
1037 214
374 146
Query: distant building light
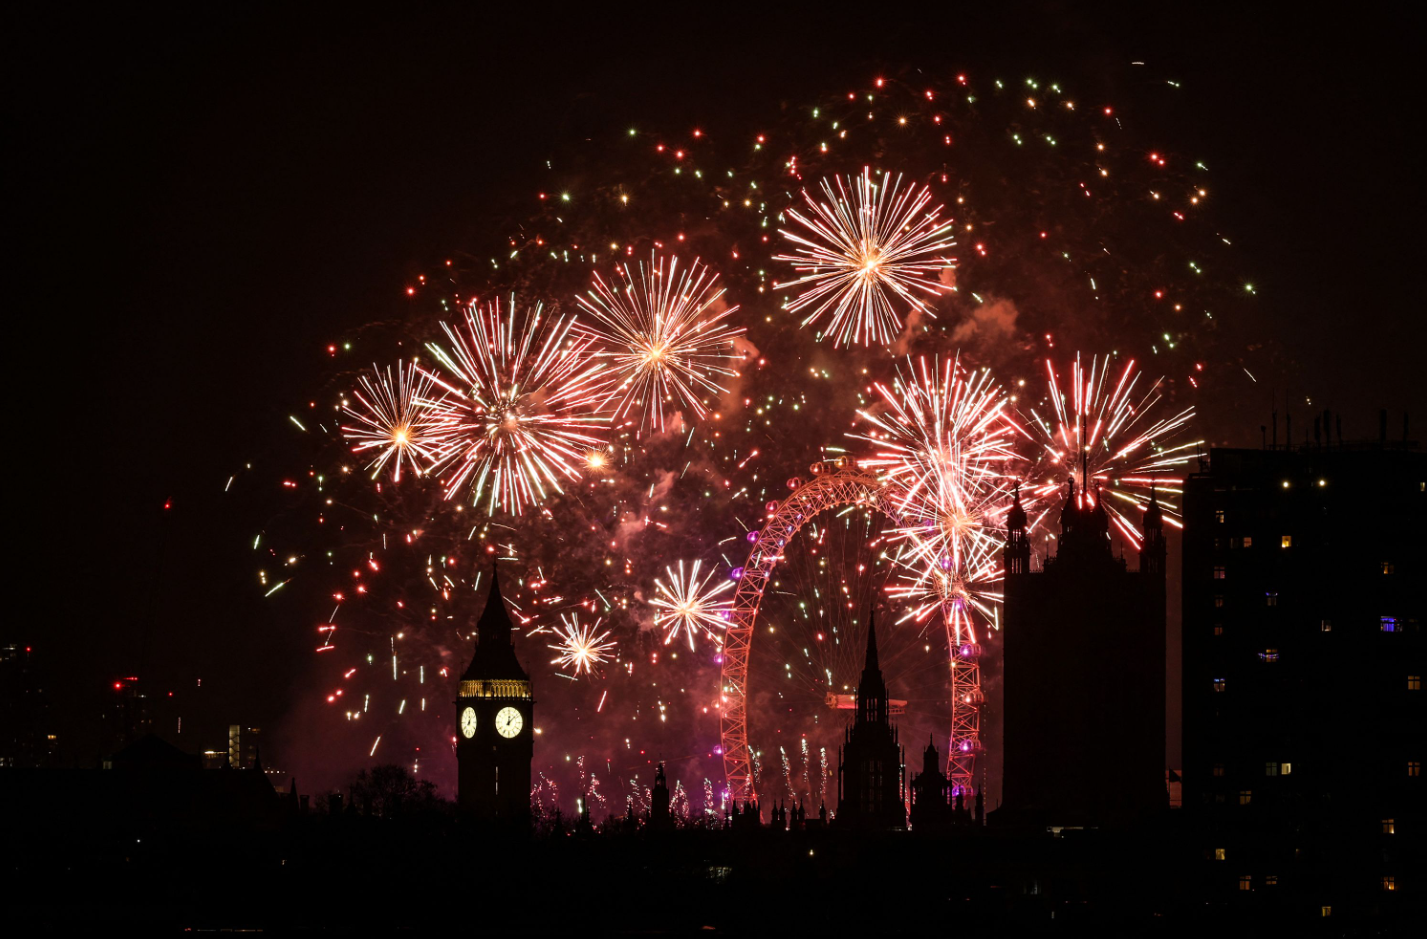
1286 541
1389 826
1387 624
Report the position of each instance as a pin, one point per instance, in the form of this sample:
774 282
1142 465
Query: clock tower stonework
494 724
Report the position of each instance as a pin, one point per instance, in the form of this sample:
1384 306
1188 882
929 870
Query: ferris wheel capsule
842 462
817 469
795 482
772 508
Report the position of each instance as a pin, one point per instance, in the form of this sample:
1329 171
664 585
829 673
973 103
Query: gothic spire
872 664
1153 517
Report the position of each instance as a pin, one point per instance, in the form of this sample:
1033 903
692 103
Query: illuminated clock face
508 722
468 722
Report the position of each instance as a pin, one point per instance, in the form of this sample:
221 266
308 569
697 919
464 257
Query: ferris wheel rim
834 484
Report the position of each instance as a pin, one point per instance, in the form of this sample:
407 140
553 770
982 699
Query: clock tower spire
495 723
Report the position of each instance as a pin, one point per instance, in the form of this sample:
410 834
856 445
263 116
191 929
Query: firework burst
687 605
864 249
946 440
1104 425
581 647
663 336
392 419
521 409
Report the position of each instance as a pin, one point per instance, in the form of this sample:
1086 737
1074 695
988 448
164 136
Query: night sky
206 200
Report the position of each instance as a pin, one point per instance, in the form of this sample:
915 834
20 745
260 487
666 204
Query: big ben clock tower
495 724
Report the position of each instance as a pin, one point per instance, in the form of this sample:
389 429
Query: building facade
1084 673
495 723
1303 664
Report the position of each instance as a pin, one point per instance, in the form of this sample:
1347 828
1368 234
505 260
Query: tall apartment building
1303 665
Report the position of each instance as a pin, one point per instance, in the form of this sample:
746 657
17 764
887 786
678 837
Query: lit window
1387 624
1270 880
1218 684
1270 769
1286 541
1414 682
1325 626
1247 883
1414 768
1389 883
1246 796
1218 572
1271 598
1285 769
1219 516
1387 567
1218 629
1268 655
1248 541
1218 769
1389 827
1218 600
1219 854
1326 911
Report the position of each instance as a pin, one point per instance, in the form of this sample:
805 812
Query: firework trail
1104 424
688 606
863 245
394 418
711 805
664 338
679 803
519 413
